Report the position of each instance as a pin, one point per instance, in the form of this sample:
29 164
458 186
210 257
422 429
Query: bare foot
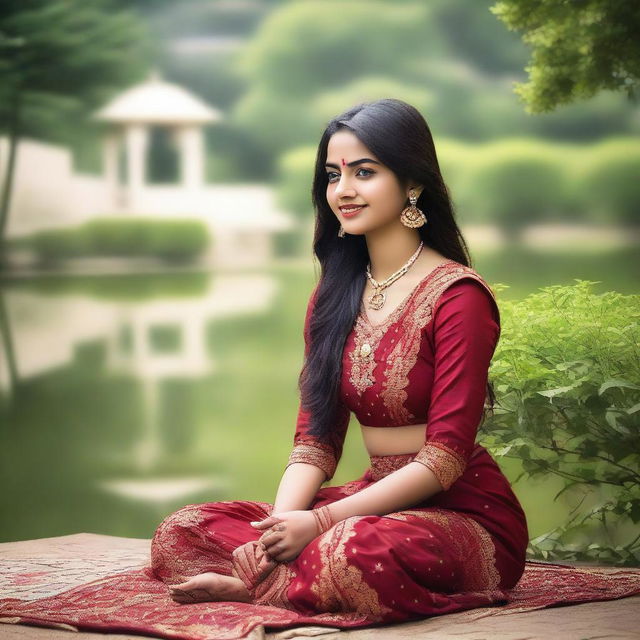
210 587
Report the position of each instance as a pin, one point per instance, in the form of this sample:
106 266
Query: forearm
300 483
401 489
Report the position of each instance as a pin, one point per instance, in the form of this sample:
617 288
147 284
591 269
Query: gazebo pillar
137 141
191 144
110 153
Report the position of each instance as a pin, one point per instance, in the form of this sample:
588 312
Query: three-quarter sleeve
307 447
464 334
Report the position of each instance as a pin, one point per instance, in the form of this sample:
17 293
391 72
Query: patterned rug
74 587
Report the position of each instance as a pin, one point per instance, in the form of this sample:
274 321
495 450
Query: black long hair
399 137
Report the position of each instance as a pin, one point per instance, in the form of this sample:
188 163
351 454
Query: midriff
392 441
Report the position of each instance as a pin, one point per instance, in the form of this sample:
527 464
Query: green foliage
525 181
310 60
62 57
516 185
58 60
137 287
608 186
366 89
305 48
294 184
567 379
577 48
170 240
293 193
326 39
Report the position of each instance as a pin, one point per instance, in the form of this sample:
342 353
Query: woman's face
356 177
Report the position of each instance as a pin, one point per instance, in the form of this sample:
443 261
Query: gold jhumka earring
411 216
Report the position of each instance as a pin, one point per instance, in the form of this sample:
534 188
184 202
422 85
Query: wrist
323 519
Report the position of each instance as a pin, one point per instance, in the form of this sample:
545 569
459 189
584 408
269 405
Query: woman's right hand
286 534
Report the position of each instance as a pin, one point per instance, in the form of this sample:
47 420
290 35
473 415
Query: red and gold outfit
427 363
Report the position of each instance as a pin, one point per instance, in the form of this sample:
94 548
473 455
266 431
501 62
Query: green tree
58 60
306 48
578 47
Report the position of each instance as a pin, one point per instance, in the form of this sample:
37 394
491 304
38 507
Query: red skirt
458 550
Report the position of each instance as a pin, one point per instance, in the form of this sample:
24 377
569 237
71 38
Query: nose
344 187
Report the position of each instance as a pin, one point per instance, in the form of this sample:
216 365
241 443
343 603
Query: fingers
266 523
272 540
272 535
277 530
276 551
274 544
271 544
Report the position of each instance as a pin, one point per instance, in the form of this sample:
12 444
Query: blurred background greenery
126 393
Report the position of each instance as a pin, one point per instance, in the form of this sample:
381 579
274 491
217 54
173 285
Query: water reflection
103 405
149 340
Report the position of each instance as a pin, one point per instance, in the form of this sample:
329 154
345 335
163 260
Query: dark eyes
332 176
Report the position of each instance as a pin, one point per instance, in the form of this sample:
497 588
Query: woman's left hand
286 534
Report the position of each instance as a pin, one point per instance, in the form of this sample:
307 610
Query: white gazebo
154 116
132 114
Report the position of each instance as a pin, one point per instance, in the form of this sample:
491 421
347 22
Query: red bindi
344 164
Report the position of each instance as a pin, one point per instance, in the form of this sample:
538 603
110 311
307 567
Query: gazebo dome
157 102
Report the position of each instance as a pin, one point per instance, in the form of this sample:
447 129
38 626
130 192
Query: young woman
400 331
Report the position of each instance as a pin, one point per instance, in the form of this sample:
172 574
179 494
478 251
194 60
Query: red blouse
426 363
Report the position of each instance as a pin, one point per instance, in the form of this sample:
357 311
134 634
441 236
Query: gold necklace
377 299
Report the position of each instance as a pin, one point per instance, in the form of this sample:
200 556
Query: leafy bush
517 186
567 381
294 185
171 240
609 186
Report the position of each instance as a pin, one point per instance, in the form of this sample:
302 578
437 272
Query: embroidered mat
110 590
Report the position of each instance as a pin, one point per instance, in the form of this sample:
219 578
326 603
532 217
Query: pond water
124 398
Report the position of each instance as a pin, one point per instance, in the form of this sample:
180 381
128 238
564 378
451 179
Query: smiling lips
348 211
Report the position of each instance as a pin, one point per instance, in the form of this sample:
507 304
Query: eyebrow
352 164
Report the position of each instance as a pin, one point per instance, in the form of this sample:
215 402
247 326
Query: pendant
363 351
377 300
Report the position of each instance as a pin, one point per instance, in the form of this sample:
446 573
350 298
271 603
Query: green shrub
294 182
517 185
171 240
55 244
567 380
608 188
177 241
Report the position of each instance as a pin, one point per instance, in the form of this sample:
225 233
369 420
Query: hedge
608 184
170 240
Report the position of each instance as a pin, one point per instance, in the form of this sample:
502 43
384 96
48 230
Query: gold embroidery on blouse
471 541
404 354
316 455
447 465
367 339
352 592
